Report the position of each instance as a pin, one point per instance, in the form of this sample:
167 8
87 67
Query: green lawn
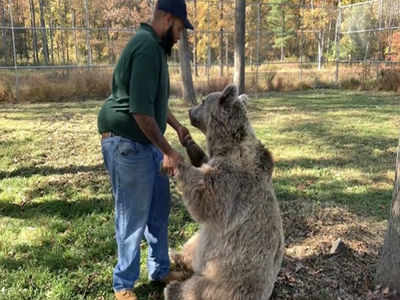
333 148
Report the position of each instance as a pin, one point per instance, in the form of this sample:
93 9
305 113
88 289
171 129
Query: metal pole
14 50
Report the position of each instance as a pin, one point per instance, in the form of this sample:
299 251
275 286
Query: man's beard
167 41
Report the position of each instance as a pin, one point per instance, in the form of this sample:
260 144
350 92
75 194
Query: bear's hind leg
184 258
196 288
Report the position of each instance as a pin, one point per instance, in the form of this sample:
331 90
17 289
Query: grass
332 148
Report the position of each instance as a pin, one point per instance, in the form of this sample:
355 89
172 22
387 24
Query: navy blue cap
176 8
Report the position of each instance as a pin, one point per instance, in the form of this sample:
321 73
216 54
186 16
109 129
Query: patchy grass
334 154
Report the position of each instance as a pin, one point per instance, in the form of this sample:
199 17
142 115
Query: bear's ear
244 99
228 95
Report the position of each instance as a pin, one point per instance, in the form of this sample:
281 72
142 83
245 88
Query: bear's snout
191 118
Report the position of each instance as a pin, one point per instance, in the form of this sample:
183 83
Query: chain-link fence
67 48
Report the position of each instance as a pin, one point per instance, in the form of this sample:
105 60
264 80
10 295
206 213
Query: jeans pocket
127 152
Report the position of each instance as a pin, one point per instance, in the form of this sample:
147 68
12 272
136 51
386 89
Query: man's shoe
125 295
174 276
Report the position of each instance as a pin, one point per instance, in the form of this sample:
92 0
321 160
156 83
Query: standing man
132 122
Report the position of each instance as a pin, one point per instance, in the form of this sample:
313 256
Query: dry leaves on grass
311 271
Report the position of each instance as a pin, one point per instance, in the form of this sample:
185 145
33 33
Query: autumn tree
394 52
357 43
279 17
316 20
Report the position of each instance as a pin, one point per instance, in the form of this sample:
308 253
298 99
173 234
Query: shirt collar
147 27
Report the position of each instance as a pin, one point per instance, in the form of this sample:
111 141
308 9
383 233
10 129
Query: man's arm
183 132
171 120
150 128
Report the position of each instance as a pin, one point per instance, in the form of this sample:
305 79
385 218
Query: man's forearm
150 128
171 120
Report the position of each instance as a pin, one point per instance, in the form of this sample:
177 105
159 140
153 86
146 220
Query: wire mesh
315 42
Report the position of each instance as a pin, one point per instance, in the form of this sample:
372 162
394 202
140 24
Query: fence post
14 49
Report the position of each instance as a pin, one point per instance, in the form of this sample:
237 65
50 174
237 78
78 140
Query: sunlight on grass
56 211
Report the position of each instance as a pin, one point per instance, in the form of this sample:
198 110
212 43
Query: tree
4 45
45 46
394 49
34 35
196 72
358 45
186 71
388 271
316 19
278 18
221 39
209 19
240 30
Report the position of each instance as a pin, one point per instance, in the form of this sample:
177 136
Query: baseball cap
176 8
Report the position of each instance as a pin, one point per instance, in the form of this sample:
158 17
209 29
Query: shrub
389 80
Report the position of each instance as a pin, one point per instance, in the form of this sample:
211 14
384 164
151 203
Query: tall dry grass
66 85
49 86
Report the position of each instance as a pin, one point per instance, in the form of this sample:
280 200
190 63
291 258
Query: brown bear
237 253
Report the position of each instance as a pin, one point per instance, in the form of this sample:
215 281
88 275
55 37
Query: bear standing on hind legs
237 253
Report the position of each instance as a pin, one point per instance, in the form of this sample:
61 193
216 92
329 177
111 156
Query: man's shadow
150 290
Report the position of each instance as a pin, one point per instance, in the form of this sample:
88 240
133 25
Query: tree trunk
52 43
188 89
4 32
283 34
45 45
34 34
221 40
66 9
227 53
319 39
240 18
388 271
75 38
196 72
87 24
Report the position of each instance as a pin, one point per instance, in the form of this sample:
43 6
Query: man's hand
183 134
170 162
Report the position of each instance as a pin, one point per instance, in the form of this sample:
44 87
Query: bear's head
223 113
222 117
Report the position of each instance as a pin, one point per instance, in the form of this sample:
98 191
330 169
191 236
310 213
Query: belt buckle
106 135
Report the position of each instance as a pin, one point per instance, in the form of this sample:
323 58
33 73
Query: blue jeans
142 205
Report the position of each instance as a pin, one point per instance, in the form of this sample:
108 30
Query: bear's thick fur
237 253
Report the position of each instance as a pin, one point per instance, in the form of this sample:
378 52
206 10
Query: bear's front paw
172 291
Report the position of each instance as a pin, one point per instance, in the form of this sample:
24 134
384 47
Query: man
132 123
